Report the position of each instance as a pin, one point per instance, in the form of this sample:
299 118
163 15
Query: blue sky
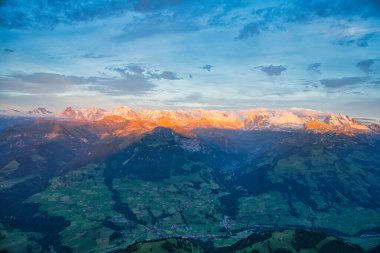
322 55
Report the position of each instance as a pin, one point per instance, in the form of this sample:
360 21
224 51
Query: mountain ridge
185 121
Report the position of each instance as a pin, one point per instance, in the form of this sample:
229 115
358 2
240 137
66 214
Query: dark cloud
8 51
207 67
50 79
47 14
314 67
272 70
360 41
345 81
52 83
366 65
39 83
134 80
168 75
131 69
249 30
280 16
136 70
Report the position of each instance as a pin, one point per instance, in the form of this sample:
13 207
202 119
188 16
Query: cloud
168 75
129 84
272 70
53 83
50 79
249 30
129 69
341 82
360 41
39 83
47 14
314 67
282 15
207 67
7 51
134 79
366 65
136 70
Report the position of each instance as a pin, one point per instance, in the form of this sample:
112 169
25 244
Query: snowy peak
297 118
72 113
338 120
124 112
263 118
91 113
40 111
339 124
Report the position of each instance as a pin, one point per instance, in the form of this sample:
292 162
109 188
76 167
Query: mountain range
88 180
186 121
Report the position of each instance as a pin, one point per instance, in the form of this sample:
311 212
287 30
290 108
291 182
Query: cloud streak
335 83
360 41
366 65
133 79
136 70
272 70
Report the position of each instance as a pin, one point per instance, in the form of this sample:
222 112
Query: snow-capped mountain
40 111
297 118
264 118
124 112
185 121
91 113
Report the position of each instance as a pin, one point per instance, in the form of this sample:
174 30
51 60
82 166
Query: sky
169 54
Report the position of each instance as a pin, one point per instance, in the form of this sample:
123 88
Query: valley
90 189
